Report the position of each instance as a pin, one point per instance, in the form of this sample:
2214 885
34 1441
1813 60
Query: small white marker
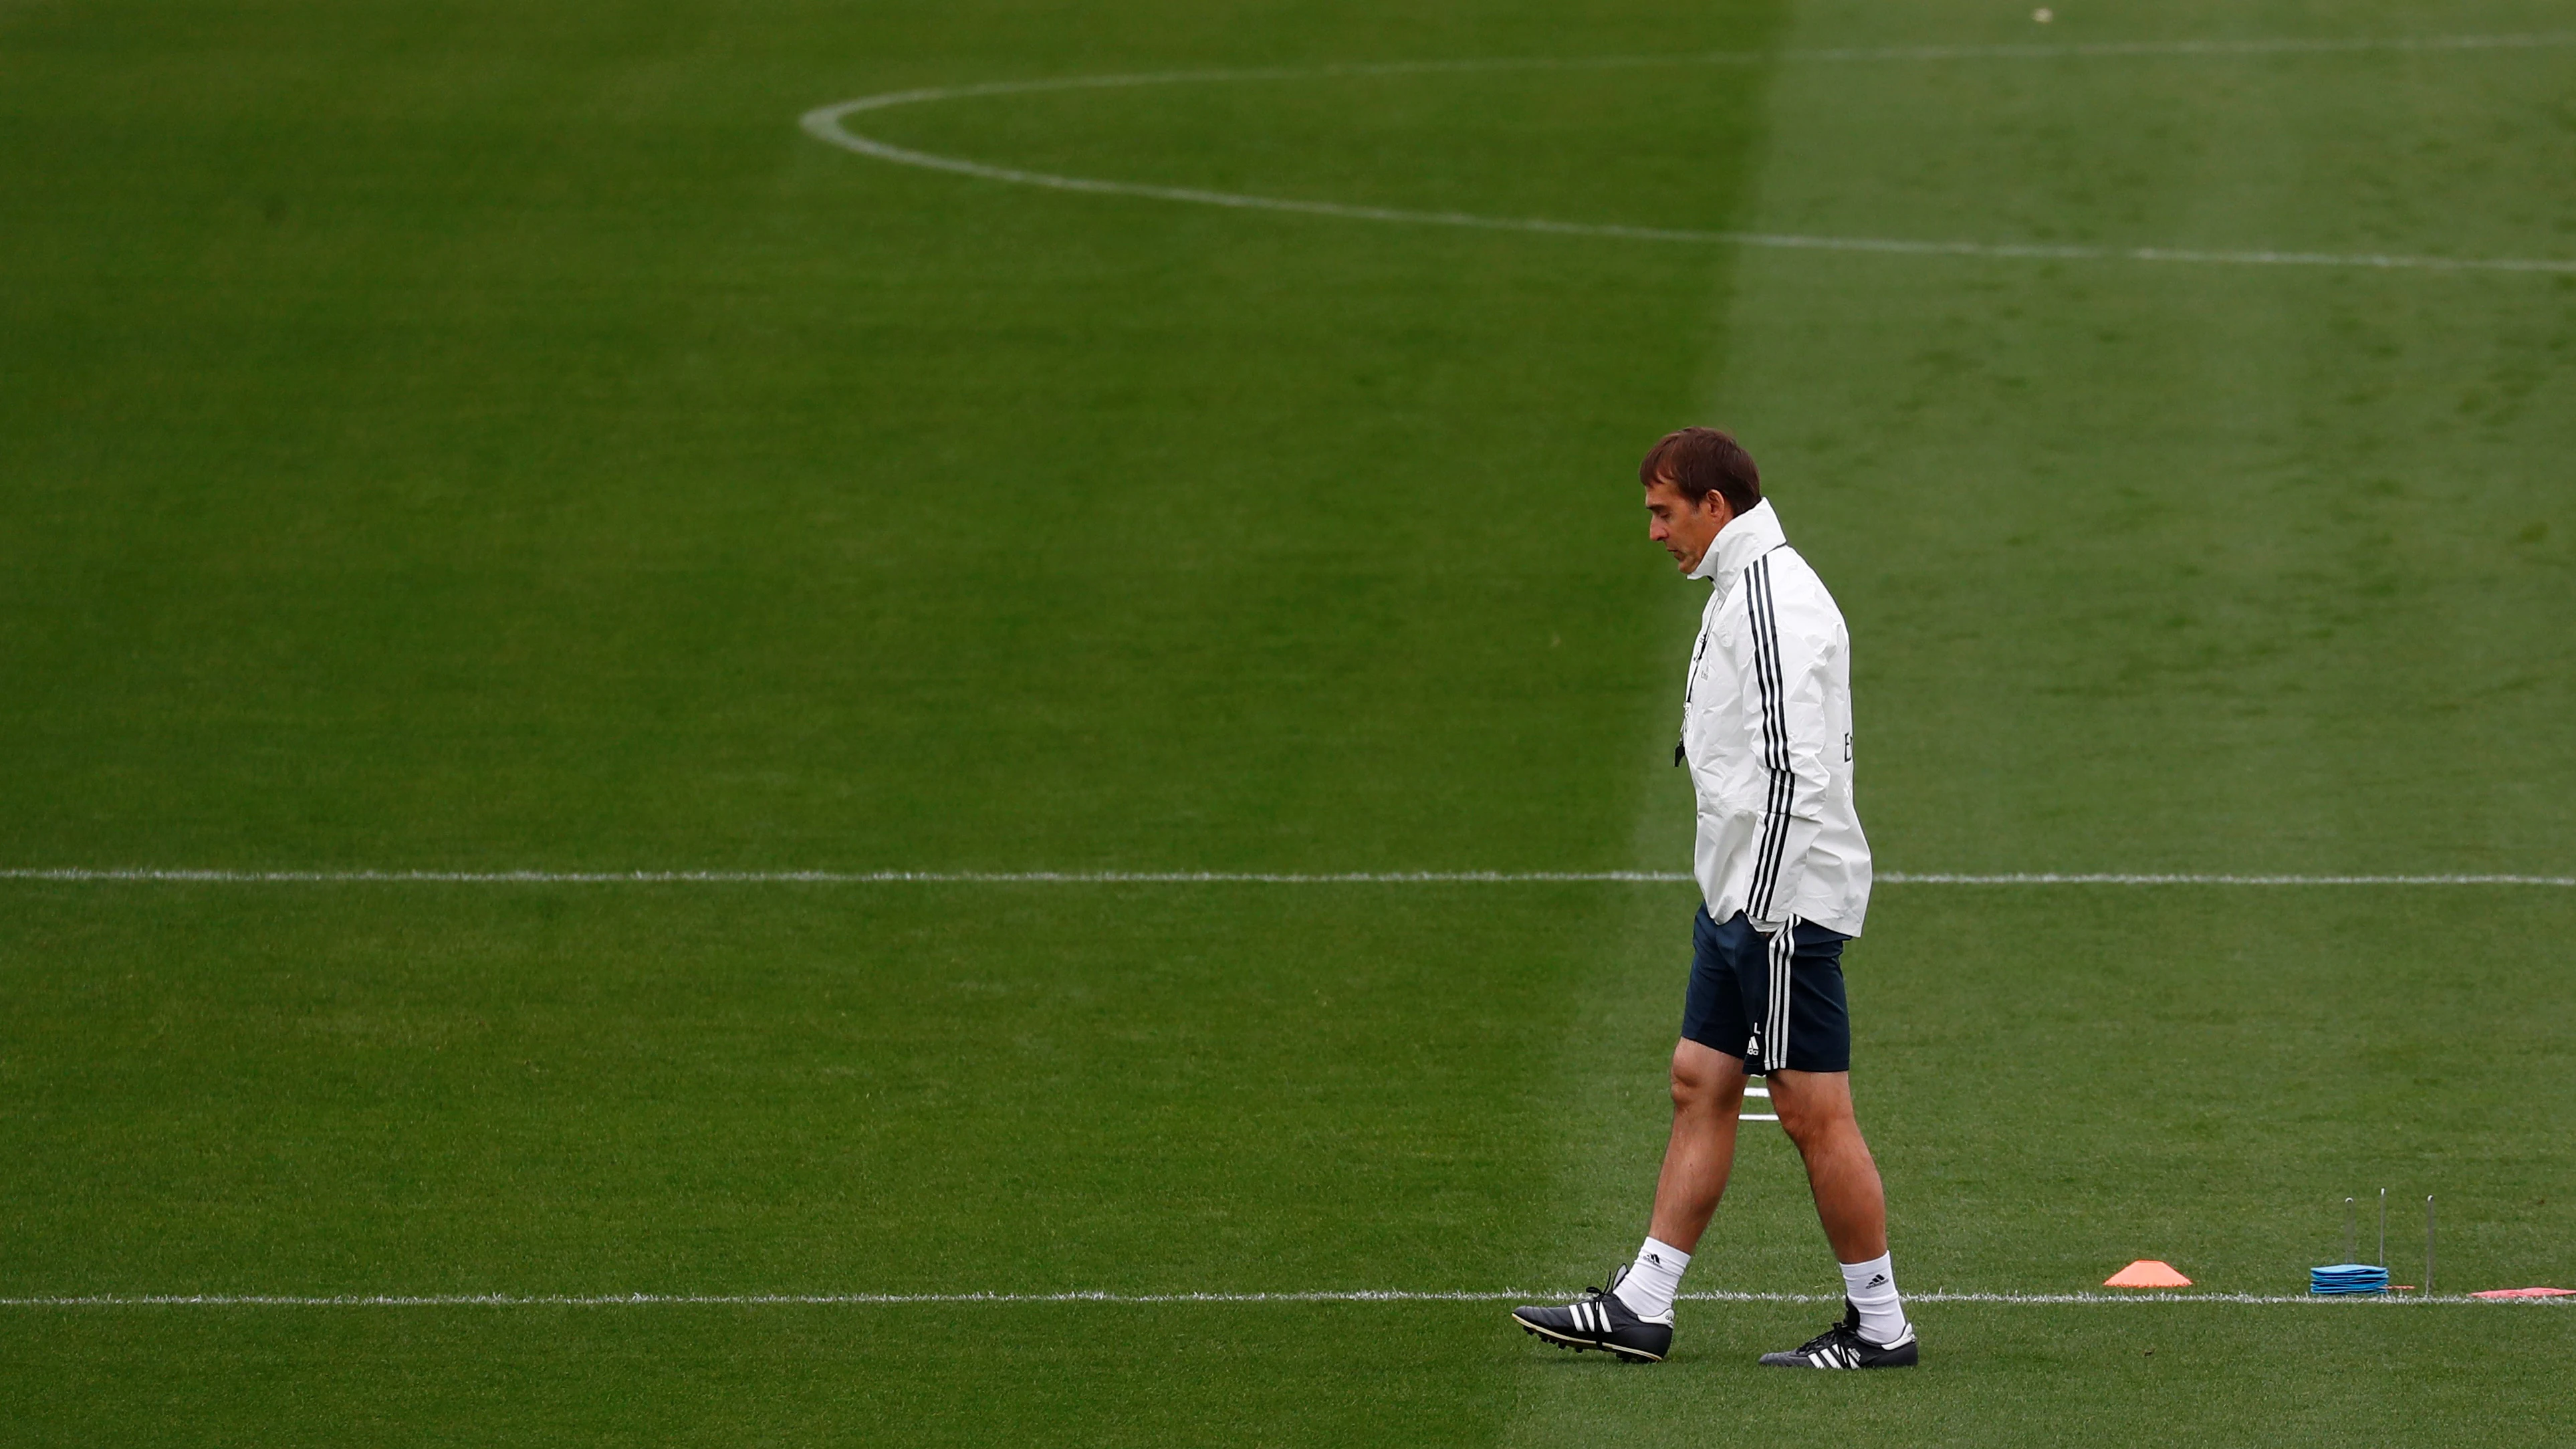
2043 15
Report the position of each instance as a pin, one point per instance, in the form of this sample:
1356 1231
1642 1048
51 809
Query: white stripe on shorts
1775 1031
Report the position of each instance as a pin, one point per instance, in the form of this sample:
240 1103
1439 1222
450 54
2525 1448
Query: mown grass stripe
148 875
1354 1295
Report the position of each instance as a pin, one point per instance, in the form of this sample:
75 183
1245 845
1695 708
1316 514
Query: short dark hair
1701 461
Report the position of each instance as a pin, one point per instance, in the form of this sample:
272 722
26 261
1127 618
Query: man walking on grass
1784 876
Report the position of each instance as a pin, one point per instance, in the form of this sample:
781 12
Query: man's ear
1714 505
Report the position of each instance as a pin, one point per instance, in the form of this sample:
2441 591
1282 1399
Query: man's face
1684 528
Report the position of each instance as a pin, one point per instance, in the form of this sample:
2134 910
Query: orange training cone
2147 1273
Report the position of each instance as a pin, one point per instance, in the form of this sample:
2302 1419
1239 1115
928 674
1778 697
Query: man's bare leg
1816 1110
1708 1093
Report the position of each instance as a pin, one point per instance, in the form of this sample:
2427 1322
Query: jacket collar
1748 536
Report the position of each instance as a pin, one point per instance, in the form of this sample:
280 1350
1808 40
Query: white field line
147 875
825 124
1356 1295
2054 878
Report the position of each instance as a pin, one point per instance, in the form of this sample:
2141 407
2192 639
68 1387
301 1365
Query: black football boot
1599 1320
1842 1347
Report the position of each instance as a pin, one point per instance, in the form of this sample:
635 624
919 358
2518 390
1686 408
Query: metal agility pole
2428 1245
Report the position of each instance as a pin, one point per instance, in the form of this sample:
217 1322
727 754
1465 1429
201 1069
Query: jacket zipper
1690 686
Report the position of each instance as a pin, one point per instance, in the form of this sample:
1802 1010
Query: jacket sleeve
1795 640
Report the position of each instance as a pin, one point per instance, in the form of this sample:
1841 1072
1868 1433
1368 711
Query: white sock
1653 1280
1871 1287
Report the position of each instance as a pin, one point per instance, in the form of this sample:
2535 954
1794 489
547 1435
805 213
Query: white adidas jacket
1767 726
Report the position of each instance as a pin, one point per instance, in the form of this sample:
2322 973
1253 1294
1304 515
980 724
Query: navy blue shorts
1777 1009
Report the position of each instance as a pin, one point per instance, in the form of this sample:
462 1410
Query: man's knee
1814 1107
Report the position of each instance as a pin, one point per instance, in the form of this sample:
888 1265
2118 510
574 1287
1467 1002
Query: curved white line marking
824 124
140 875
1356 1295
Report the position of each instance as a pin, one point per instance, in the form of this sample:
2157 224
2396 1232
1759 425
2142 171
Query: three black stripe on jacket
1770 852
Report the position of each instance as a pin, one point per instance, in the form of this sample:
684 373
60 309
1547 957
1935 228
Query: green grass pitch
476 436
